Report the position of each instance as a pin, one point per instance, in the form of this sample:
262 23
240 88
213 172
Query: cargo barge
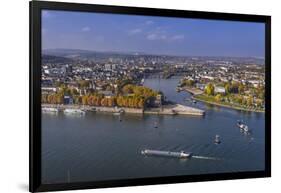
180 154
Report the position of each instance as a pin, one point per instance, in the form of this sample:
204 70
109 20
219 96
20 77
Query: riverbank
197 97
171 109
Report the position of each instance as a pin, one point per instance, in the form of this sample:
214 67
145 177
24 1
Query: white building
219 90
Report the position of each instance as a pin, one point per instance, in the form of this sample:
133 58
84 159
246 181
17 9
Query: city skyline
151 35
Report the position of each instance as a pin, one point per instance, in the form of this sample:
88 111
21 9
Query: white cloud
177 37
149 22
86 29
156 36
134 31
163 35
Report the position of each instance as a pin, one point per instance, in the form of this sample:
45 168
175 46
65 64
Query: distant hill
78 54
55 59
86 54
64 52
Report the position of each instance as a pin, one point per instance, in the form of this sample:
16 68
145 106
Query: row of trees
188 82
97 100
236 97
234 87
139 91
52 98
132 102
230 88
237 88
120 101
131 96
239 99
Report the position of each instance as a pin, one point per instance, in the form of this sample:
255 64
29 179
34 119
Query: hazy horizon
144 53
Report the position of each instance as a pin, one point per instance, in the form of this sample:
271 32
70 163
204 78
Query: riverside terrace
175 109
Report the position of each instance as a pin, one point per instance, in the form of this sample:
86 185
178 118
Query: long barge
180 154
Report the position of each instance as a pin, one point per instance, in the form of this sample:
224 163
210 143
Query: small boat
180 154
217 139
116 113
190 100
243 126
74 112
50 110
155 125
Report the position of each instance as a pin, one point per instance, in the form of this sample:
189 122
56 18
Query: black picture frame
35 94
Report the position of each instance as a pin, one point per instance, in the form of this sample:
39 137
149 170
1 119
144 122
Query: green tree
259 103
234 87
239 99
188 82
210 89
128 89
84 83
241 88
250 101
218 98
227 88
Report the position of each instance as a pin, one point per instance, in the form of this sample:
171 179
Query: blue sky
151 35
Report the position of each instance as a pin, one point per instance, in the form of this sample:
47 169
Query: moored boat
217 139
49 110
74 112
117 113
155 124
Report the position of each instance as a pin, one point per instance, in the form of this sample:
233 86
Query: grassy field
211 100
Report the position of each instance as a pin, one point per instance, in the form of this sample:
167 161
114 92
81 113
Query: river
99 147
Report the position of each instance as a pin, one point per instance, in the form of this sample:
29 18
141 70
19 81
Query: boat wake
204 157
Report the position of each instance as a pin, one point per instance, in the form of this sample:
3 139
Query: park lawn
211 100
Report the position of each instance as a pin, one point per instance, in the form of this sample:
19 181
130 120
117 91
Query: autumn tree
85 100
128 89
104 102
